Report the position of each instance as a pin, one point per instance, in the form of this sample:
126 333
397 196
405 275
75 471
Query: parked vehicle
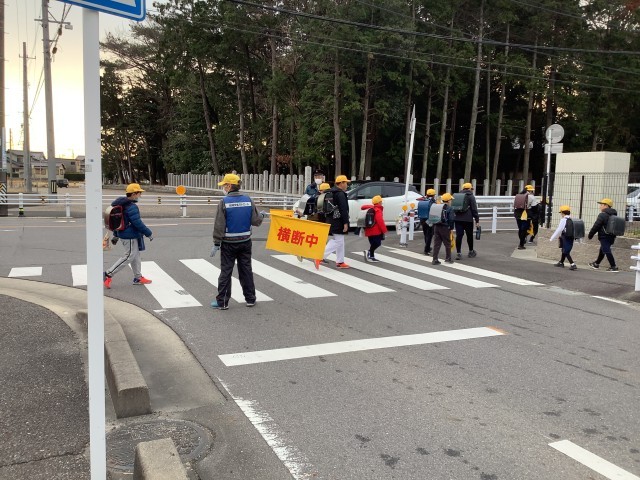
62 182
633 201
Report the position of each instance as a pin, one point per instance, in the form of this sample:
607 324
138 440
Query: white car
360 193
633 200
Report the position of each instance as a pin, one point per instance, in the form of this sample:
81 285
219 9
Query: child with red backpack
374 227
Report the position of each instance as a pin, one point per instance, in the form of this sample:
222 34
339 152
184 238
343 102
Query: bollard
20 205
183 205
636 267
67 205
159 200
494 219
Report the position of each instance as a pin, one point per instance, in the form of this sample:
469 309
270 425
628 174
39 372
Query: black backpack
460 202
114 218
568 228
370 218
615 226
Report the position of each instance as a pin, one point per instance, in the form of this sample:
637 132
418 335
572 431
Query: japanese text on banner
298 237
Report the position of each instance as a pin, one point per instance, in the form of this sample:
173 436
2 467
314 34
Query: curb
158 460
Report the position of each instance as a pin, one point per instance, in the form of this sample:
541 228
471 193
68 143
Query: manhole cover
191 440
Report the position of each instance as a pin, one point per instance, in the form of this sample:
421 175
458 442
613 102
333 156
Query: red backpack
521 201
114 218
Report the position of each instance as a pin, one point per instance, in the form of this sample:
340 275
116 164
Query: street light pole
48 94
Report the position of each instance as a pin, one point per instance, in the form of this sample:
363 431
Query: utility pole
4 206
48 94
25 120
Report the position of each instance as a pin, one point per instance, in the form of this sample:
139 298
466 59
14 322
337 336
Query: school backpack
436 214
568 228
521 201
424 206
460 203
370 218
578 229
114 219
615 226
327 206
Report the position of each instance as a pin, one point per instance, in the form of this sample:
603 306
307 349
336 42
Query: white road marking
296 285
165 289
298 466
210 273
25 272
335 275
79 275
436 272
263 356
611 300
395 276
469 269
592 461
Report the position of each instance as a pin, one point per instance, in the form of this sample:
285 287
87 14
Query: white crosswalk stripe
438 273
211 273
294 284
467 268
25 272
335 275
79 275
165 289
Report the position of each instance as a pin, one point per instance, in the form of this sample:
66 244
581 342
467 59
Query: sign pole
95 294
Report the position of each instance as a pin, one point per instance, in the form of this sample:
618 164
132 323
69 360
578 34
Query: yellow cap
606 201
446 197
324 186
467 186
431 192
565 208
529 188
376 199
230 179
133 188
342 178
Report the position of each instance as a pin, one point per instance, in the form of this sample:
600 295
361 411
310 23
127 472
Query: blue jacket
135 228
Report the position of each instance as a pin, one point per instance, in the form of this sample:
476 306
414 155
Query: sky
66 74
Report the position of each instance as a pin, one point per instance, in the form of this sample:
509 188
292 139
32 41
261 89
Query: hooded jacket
341 215
135 227
601 222
472 212
379 227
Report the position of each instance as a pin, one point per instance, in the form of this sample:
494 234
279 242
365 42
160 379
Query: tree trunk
206 108
274 112
503 94
527 133
487 155
354 167
243 153
336 116
452 139
365 119
427 135
474 106
443 126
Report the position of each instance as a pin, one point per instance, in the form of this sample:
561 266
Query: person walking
606 240
533 212
466 212
442 231
566 235
234 218
313 187
131 238
423 214
338 217
376 232
524 212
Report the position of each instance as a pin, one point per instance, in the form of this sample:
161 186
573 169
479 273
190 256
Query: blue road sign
131 9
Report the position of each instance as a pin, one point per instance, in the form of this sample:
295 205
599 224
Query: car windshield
633 193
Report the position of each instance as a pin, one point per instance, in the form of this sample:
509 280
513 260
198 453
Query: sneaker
573 267
344 265
428 252
299 257
374 260
448 260
521 247
141 281
530 242
613 269
458 256
317 264
366 255
106 280
559 264
324 261
594 265
251 304
435 262
219 306
472 254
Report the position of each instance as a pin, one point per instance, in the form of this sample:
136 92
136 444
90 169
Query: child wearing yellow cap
376 231
566 234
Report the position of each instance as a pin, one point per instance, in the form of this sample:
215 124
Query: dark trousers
605 249
428 235
523 227
374 242
441 236
567 246
461 229
229 254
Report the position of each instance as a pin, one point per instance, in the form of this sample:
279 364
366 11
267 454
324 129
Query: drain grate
191 440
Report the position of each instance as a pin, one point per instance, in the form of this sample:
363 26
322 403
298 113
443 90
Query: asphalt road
514 369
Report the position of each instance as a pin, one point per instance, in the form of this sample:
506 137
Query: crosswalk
286 275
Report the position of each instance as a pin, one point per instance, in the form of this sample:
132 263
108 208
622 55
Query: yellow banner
280 213
303 238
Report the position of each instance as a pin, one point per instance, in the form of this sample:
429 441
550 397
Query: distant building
39 166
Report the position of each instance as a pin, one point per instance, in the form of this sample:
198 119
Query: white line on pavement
592 461
25 272
294 284
263 356
79 275
165 289
621 302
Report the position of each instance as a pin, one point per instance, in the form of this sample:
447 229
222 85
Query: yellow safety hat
324 186
606 201
230 179
529 188
342 178
377 199
446 197
467 186
431 192
134 188
565 208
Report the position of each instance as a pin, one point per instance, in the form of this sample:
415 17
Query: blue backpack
424 206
